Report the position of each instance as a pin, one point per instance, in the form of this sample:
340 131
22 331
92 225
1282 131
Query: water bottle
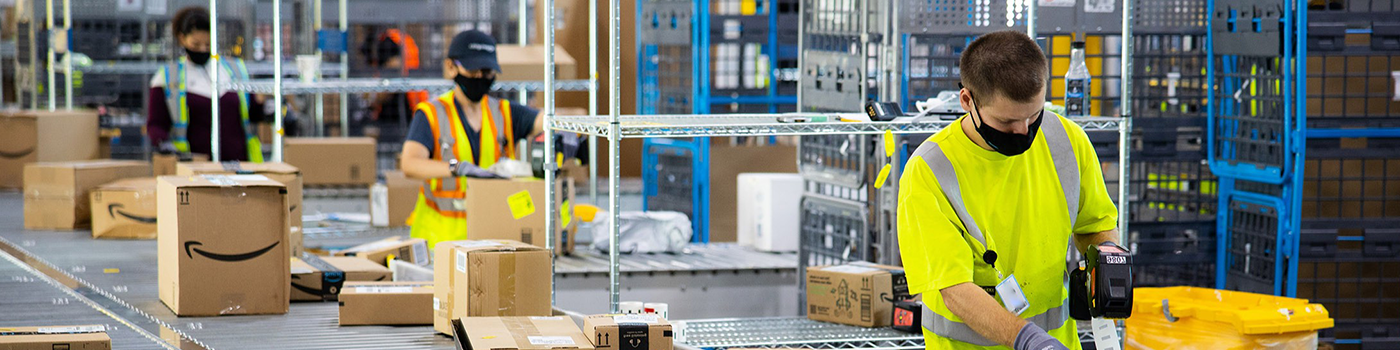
1077 83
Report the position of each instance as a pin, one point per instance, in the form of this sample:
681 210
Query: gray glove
1032 337
473 171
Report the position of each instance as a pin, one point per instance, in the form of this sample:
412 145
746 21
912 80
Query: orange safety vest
440 213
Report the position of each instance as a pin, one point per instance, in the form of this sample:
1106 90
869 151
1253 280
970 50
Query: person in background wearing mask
178 119
993 202
460 134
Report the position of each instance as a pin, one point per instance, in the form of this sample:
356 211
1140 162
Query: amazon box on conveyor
317 278
518 333
855 294
125 209
489 278
413 250
281 172
386 303
333 161
92 337
628 332
220 246
66 136
56 194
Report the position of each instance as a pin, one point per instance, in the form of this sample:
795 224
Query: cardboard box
628 332
392 202
125 209
281 172
724 180
414 250
386 303
524 62
164 164
852 294
514 210
769 207
69 136
93 337
489 278
322 278
332 160
518 333
56 194
213 259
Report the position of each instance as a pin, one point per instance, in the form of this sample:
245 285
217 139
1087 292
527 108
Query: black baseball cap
474 50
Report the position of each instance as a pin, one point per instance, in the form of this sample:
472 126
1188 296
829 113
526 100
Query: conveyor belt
698 258
789 332
32 299
125 272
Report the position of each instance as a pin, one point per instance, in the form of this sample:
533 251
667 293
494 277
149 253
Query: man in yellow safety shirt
987 207
458 135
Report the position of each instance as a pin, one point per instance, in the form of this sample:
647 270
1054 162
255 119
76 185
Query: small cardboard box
391 202
163 164
386 303
322 278
213 258
852 294
413 250
92 337
524 62
628 332
281 172
514 210
68 136
56 195
332 160
125 209
489 278
518 333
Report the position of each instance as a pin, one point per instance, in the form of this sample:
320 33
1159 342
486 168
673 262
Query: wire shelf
118 67
644 126
373 85
789 332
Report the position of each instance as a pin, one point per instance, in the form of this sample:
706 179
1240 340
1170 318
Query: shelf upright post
524 38
1125 129
319 106
614 143
549 159
277 131
344 69
593 100
68 55
213 70
53 98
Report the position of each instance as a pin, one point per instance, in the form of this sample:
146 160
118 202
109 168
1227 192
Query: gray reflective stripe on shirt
1066 164
444 204
445 143
1049 320
497 118
1066 168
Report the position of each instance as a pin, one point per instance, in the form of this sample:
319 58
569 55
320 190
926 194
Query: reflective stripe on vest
1067 169
444 194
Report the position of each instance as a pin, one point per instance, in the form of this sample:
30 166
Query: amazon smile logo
17 154
190 246
112 210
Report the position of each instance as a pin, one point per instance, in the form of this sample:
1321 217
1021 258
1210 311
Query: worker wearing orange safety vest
458 135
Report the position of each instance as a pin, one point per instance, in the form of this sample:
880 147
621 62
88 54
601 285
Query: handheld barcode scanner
1102 286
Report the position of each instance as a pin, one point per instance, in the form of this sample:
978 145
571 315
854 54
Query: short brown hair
1006 63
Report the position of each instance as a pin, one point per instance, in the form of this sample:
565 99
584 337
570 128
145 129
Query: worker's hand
473 171
1032 337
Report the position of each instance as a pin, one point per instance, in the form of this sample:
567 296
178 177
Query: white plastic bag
644 232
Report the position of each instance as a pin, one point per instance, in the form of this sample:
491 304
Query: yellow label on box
520 204
564 216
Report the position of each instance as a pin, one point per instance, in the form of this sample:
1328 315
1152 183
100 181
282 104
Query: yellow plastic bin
1181 318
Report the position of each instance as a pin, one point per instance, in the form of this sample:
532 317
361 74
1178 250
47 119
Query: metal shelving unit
789 332
372 85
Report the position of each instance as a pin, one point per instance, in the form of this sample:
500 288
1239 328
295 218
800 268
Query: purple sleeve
157 117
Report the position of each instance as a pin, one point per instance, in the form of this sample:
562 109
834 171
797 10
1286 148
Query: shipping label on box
89 337
213 260
125 209
855 294
413 250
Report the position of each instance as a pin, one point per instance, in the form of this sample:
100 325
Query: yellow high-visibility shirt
1020 207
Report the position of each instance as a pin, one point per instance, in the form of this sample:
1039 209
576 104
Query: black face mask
474 88
1008 144
198 57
